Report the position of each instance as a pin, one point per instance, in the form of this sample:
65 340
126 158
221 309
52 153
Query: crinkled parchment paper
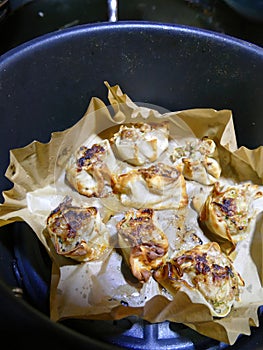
106 289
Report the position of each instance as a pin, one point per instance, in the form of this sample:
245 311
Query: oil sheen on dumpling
228 210
143 243
198 162
206 269
159 186
89 170
141 143
78 232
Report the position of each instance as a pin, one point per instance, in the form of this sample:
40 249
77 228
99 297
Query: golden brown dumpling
78 232
228 210
141 143
159 186
89 169
198 161
207 270
142 241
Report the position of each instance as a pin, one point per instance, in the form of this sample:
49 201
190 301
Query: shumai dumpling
198 161
228 210
159 186
89 169
207 270
141 143
78 232
143 243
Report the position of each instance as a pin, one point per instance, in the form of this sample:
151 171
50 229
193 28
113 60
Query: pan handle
113 10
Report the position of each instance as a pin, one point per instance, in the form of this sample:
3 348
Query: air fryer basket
46 85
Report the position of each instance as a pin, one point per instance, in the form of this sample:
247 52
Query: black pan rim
171 28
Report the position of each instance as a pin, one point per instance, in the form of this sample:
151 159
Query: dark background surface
23 20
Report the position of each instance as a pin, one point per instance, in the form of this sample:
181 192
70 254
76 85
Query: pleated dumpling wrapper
78 232
89 169
199 161
142 241
159 186
229 210
141 143
205 270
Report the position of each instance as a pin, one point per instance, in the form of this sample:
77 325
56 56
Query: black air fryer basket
46 85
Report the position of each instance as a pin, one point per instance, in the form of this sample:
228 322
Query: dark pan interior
46 85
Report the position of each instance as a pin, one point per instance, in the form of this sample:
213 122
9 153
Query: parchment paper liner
98 290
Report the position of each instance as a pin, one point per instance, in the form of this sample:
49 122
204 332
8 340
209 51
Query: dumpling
89 169
143 243
206 269
141 143
228 210
78 232
198 161
159 186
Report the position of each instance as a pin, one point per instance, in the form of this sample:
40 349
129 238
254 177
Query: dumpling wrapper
229 211
78 232
141 143
159 186
89 169
207 270
198 161
142 241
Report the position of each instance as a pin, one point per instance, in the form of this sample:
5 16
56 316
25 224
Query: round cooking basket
45 86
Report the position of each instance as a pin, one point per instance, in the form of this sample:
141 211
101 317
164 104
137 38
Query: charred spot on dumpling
77 232
94 154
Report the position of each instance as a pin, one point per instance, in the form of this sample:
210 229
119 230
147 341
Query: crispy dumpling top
159 186
142 241
78 232
141 143
206 269
89 169
228 210
198 161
